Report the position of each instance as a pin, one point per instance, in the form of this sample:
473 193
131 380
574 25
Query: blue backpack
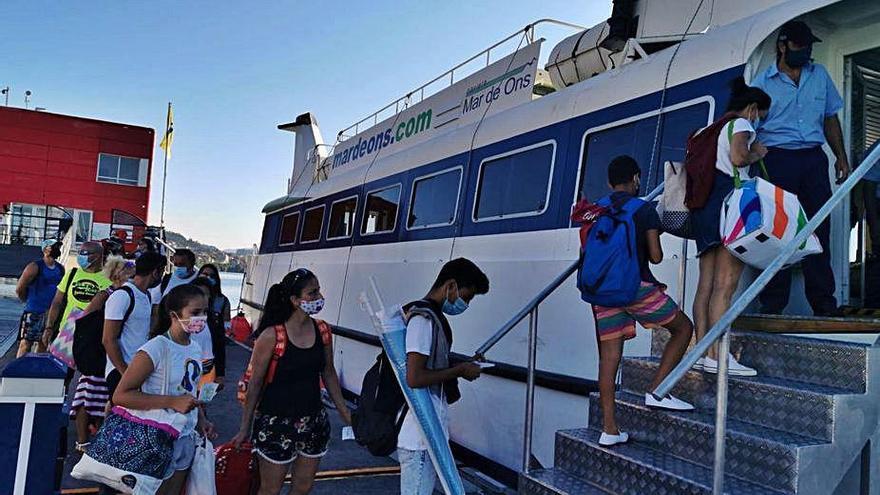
610 274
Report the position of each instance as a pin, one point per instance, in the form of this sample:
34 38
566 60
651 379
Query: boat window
515 184
288 229
312 223
380 214
636 139
434 200
342 218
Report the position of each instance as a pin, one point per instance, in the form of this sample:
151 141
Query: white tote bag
201 479
674 215
758 219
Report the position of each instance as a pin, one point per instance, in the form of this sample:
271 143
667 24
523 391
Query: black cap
798 32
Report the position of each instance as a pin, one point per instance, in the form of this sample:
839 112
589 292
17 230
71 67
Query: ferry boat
488 168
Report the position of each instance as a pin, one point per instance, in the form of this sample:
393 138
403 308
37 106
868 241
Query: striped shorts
652 308
92 395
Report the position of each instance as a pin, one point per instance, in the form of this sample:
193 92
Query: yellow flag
169 133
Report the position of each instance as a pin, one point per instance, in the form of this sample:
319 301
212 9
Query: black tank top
295 390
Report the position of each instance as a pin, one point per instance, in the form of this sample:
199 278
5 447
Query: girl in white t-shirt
171 362
719 269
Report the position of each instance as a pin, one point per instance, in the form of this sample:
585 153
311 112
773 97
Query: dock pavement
348 469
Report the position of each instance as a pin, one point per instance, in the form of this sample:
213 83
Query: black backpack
88 350
380 412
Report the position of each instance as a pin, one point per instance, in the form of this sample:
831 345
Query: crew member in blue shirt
802 118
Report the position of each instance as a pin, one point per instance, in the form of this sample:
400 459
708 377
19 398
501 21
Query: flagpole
164 170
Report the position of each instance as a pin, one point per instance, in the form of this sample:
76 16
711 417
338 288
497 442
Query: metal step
795 407
636 469
817 361
556 482
764 455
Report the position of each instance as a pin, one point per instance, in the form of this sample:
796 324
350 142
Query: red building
54 167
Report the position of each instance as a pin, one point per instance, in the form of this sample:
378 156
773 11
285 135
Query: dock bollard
31 401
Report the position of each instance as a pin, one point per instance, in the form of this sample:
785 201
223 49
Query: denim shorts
417 475
183 454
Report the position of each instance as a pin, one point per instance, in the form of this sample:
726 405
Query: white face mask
312 307
195 324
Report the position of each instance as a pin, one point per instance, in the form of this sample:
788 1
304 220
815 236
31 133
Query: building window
312 224
515 184
636 139
434 200
124 170
342 218
289 225
380 214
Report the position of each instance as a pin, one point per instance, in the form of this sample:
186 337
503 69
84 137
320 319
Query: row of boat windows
509 185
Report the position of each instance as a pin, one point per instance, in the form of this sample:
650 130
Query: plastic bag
201 479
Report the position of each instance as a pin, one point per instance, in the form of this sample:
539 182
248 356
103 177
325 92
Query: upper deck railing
404 101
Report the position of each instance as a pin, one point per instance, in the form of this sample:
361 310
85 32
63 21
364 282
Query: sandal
81 447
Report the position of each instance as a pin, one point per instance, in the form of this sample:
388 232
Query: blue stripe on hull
567 136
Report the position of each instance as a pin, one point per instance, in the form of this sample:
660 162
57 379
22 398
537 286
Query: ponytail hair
174 302
278 307
115 264
743 95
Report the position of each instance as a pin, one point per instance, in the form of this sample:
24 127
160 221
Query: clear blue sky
234 70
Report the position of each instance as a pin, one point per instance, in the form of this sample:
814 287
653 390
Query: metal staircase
806 425
798 427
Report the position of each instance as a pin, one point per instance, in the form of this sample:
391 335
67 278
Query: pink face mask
194 324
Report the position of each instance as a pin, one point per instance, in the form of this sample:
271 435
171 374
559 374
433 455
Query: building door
863 94
82 226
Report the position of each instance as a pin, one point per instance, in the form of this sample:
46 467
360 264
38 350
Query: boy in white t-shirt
127 325
428 344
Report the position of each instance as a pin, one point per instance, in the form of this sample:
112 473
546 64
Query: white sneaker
669 402
734 368
698 366
607 439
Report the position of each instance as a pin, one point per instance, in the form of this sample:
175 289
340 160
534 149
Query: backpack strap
325 330
128 311
737 182
277 352
165 280
70 281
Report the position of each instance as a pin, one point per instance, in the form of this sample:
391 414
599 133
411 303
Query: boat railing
450 75
530 310
721 329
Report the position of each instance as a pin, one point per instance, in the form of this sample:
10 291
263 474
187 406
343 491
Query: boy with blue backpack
621 236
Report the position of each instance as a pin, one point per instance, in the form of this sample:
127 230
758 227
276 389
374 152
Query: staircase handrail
738 306
722 327
544 294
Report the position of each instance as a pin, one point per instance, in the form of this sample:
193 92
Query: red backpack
700 160
585 214
277 352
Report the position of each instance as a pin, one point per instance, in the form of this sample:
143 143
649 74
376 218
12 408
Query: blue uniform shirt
797 115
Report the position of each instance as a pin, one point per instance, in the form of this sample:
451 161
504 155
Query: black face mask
155 283
55 252
798 58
